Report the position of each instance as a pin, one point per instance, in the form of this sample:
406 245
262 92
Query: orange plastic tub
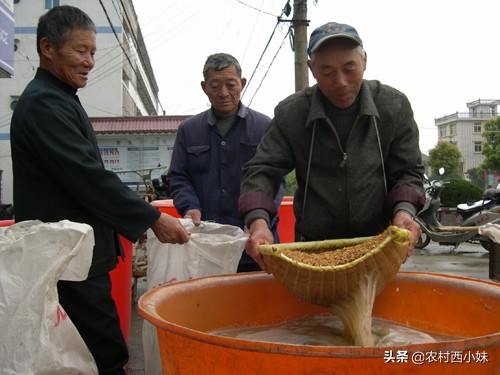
185 312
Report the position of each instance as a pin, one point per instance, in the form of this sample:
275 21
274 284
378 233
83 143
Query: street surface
468 260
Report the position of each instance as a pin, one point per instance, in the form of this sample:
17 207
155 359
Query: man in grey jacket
353 143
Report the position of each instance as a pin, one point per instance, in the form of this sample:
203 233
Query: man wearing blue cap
353 143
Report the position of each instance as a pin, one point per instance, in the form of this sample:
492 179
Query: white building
122 82
140 144
464 130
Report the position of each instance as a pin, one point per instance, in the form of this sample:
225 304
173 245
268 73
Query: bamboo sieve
320 272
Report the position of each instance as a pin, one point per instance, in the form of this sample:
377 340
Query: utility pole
299 24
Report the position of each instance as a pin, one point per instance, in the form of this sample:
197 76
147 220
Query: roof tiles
135 125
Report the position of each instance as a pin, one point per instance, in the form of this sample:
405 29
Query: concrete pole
299 25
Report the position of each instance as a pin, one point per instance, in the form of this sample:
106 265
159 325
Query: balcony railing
464 116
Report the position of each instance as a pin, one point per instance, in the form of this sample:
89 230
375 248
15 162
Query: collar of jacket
45 75
317 111
242 113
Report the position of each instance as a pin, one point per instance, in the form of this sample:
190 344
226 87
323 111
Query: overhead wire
260 59
101 71
139 48
263 53
105 69
269 67
186 18
257 9
118 40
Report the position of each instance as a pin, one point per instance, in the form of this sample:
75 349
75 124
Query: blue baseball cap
331 30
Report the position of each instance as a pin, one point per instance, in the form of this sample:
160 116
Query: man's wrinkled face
72 61
338 68
223 89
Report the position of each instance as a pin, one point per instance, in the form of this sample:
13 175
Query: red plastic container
285 226
6 223
166 206
121 287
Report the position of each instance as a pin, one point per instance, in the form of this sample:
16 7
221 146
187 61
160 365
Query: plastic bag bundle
213 249
36 335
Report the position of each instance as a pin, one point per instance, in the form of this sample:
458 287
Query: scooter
474 215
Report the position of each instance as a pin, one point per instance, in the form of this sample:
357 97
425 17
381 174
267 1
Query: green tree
491 145
291 183
476 176
447 156
460 191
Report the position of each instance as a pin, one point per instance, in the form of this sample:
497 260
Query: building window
453 129
477 127
49 4
442 131
477 146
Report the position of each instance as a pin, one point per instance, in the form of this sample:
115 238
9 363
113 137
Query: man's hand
169 229
404 220
259 234
194 215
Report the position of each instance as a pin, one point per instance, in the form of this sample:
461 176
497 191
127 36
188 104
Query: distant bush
291 184
459 191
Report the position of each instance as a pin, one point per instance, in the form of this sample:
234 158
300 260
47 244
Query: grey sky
441 54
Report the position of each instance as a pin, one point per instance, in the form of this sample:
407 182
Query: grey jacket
346 192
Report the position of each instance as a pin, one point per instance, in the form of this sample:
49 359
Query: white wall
101 97
135 151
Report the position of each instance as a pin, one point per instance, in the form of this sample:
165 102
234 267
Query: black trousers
93 312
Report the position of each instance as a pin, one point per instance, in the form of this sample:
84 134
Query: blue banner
6 40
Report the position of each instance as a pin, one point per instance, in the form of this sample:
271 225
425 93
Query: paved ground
468 260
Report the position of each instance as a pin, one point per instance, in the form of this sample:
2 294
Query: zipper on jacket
344 154
344 160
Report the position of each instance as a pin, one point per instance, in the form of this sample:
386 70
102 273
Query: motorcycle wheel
422 241
486 244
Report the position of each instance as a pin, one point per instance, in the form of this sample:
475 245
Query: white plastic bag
213 249
492 231
36 335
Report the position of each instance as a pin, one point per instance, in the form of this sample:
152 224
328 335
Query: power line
139 48
118 40
265 49
258 10
260 59
269 67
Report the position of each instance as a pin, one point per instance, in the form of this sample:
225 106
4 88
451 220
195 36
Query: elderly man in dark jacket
353 144
211 148
59 174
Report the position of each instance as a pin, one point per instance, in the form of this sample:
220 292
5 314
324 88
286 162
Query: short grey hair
361 51
220 61
56 25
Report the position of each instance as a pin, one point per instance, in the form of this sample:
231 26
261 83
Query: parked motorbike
474 214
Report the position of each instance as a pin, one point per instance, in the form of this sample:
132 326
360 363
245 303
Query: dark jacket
205 170
346 194
59 174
